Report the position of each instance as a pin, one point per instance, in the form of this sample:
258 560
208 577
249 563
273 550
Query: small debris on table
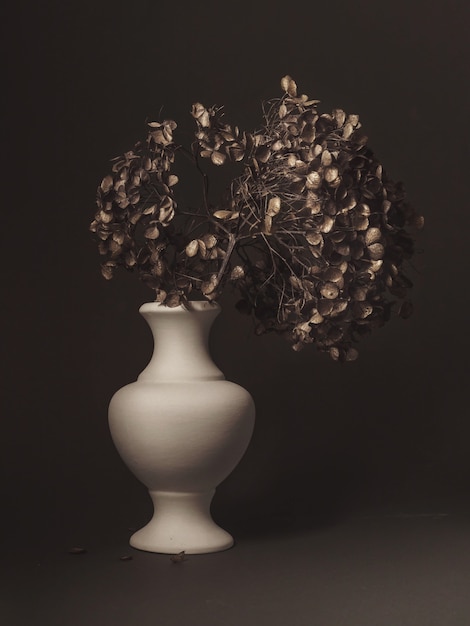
177 558
77 550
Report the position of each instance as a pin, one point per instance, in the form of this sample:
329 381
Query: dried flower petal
237 272
192 248
373 235
289 86
376 251
151 232
218 158
107 183
313 237
329 291
274 206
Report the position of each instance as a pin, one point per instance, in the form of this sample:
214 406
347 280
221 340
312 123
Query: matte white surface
181 428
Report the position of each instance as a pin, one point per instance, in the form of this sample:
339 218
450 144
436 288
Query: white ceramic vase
181 428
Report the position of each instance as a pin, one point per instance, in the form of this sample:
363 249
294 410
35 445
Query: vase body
181 428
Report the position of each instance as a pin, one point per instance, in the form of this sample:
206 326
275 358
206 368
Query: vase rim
192 305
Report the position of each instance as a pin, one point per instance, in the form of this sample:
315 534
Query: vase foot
181 522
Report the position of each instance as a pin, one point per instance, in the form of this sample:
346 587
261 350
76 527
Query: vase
181 428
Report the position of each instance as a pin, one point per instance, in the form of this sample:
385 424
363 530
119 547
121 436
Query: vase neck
181 342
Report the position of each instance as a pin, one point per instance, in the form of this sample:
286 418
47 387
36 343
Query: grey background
386 436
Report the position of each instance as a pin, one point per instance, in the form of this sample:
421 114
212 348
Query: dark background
388 433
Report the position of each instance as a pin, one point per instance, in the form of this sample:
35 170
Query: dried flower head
312 233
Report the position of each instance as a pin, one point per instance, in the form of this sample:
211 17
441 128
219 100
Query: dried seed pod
326 158
274 206
343 249
356 250
324 306
331 174
327 224
159 268
316 317
226 215
135 217
262 154
330 207
360 222
338 236
208 286
267 225
183 283
340 116
202 248
107 183
372 235
289 86
218 158
308 133
152 232
209 240
200 114
192 248
376 251
237 273
353 119
173 300
161 295
291 160
107 271
333 275
236 152
348 130
150 210
119 237
359 292
104 217
329 290
313 237
313 180
363 209
334 353
339 306
166 212
130 259
362 309
295 282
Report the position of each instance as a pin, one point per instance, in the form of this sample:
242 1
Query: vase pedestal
181 521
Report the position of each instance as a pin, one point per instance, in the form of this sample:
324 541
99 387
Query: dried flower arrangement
312 232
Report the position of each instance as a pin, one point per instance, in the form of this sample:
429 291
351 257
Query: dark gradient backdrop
389 432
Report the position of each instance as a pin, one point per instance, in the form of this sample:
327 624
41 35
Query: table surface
376 569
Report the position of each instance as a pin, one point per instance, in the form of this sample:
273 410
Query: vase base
181 522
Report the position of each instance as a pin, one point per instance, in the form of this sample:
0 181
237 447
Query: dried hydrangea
139 227
312 233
